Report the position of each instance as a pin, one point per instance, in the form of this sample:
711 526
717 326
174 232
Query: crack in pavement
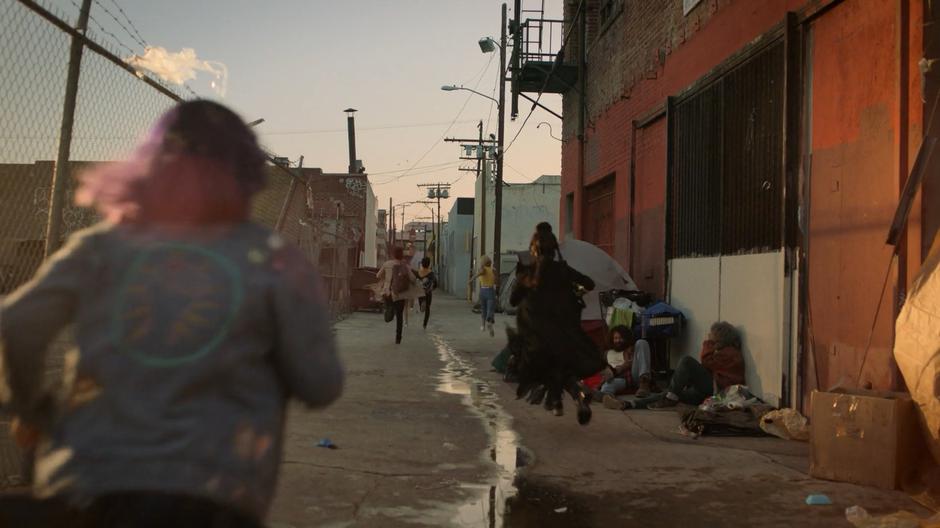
355 470
358 504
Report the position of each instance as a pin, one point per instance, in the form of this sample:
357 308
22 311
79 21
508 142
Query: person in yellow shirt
487 277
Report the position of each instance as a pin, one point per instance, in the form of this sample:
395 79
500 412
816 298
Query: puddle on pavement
488 508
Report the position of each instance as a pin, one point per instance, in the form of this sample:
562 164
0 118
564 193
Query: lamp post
488 45
454 88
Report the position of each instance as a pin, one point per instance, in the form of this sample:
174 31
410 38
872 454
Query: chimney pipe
351 128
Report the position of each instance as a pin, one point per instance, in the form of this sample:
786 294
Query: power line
438 165
446 130
358 129
414 173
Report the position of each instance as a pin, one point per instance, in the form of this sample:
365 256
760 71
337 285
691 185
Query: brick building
331 217
743 159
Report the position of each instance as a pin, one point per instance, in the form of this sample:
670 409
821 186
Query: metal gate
726 153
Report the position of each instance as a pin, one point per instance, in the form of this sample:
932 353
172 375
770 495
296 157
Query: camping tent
594 262
591 261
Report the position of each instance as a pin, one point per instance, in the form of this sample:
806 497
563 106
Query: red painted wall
649 211
865 123
725 27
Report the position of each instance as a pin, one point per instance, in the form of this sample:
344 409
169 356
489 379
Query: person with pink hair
193 328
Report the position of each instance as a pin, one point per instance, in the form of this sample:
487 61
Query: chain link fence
114 107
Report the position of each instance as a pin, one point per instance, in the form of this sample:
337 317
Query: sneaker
665 404
558 411
483 328
612 403
489 327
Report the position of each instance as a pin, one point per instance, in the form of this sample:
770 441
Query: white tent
594 262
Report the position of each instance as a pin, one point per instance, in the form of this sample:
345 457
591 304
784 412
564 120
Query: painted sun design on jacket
176 304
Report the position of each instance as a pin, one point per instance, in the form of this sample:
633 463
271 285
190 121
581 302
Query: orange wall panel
853 190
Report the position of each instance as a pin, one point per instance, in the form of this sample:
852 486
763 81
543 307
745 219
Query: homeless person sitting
628 370
692 382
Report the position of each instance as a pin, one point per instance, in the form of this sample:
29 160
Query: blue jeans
487 304
641 366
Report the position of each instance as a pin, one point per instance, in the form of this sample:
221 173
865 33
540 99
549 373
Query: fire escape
539 63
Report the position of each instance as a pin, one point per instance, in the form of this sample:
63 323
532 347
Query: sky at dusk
299 63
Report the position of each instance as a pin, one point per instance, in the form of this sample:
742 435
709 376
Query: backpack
401 281
429 282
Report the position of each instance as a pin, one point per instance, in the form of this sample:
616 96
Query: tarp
917 345
601 267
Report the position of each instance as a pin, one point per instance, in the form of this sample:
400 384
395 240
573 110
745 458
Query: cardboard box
864 437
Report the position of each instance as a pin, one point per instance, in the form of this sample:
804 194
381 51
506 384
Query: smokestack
351 128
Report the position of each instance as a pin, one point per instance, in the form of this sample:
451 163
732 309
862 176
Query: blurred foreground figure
193 327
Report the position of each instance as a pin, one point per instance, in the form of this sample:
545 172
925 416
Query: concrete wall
370 246
751 293
457 253
524 206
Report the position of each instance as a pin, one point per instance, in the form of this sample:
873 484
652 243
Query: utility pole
481 161
437 238
438 191
390 236
498 195
57 195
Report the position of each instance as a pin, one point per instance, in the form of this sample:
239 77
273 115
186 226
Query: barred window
726 153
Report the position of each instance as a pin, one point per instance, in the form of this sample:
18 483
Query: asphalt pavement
426 434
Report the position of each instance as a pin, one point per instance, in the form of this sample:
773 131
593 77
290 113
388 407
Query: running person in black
428 280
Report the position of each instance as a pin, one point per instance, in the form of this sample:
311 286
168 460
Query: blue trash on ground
818 500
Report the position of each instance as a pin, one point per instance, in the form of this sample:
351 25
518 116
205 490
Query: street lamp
454 88
488 45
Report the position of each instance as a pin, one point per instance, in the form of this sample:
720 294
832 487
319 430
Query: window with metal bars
726 154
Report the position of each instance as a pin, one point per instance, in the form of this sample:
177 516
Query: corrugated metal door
599 214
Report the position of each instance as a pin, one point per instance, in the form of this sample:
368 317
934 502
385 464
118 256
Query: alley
426 434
